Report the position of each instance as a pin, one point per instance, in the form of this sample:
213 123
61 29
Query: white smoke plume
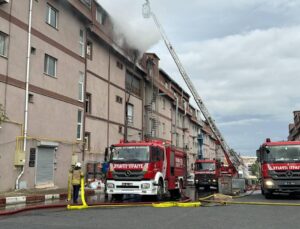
130 27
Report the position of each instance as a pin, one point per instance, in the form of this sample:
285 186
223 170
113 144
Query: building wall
294 128
54 105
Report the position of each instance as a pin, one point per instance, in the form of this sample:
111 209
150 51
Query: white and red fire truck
280 167
146 168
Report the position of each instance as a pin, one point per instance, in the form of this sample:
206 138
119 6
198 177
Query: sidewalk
30 196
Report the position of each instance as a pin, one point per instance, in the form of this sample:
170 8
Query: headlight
145 186
110 185
214 180
269 183
196 181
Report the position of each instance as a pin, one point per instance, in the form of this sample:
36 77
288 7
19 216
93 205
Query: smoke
130 29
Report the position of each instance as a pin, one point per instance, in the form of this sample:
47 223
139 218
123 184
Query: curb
5 201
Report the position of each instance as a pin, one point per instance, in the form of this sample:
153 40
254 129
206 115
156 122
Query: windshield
205 166
289 153
130 154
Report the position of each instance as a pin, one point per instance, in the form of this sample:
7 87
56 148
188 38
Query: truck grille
128 175
205 177
126 187
285 174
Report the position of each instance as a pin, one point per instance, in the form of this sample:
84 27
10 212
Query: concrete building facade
70 91
294 128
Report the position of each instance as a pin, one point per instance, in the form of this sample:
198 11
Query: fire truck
207 173
146 168
279 167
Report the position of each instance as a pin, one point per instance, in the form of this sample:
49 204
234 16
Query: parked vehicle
146 168
208 172
279 167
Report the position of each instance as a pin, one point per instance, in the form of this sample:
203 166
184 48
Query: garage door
45 166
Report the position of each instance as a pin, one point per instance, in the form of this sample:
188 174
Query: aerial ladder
232 158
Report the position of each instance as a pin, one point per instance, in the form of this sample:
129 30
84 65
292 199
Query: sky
243 56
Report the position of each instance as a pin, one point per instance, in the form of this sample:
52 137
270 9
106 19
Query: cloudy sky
242 55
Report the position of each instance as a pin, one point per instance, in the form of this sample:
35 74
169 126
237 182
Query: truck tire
160 191
268 195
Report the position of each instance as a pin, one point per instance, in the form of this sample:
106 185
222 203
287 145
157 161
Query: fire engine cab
146 168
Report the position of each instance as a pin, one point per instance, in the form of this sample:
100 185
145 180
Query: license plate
127 184
289 183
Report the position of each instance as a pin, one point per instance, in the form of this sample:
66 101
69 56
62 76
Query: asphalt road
231 216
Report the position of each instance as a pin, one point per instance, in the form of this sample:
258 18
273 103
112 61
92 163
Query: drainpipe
26 89
176 114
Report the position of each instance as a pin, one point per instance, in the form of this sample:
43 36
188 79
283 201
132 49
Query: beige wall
99 91
100 61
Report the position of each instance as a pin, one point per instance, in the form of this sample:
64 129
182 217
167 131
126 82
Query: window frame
130 117
81 87
89 45
87 141
46 65
88 103
50 9
100 12
82 42
79 125
5 44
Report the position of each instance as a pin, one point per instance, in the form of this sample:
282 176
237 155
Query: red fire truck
279 167
207 173
146 168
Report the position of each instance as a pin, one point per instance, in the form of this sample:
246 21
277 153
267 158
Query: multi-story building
294 128
70 91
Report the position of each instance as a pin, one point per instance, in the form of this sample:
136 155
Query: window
89 50
81 43
157 154
100 15
130 113
30 98
119 65
79 125
3 44
163 128
119 99
120 129
87 141
88 101
51 18
133 84
80 86
50 65
33 50
164 103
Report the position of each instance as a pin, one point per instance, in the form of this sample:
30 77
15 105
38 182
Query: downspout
26 89
176 114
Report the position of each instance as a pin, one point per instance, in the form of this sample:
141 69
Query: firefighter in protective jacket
76 175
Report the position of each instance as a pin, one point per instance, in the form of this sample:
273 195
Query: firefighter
76 175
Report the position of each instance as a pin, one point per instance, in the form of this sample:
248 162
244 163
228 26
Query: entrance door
45 166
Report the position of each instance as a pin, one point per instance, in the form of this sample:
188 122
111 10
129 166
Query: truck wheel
160 191
268 195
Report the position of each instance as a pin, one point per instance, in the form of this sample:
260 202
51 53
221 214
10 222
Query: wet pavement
188 194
